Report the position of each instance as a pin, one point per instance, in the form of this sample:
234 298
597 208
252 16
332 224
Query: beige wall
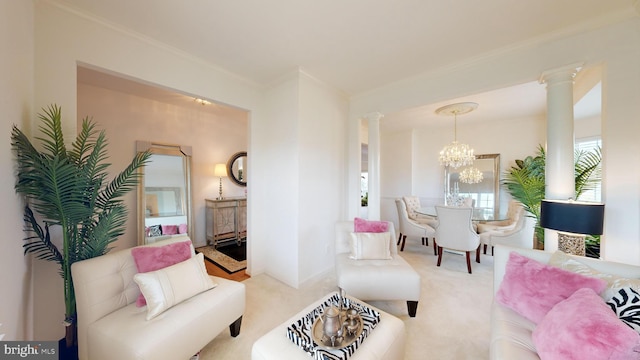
214 134
16 102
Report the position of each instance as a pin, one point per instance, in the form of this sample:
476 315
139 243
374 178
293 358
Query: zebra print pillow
626 304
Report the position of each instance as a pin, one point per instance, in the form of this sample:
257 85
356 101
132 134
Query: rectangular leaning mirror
164 199
486 194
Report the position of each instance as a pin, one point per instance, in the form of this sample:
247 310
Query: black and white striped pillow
626 304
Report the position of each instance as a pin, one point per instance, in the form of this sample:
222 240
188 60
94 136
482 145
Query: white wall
304 145
617 47
279 142
16 94
322 154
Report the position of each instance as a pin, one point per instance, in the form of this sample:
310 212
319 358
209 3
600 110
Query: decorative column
559 170
373 120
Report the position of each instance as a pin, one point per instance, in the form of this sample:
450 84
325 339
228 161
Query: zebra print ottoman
385 340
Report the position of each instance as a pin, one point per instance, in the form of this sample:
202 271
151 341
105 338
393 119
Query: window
590 144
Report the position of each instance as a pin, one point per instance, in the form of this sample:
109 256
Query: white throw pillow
614 282
167 287
370 246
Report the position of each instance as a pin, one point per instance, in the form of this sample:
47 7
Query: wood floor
216 271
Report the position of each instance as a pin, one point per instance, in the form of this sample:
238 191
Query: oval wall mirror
164 196
237 168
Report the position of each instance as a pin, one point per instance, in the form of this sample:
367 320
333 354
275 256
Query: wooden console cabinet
226 220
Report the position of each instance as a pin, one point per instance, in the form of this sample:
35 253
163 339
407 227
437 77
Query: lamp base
571 244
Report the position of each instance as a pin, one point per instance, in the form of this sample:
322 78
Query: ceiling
355 45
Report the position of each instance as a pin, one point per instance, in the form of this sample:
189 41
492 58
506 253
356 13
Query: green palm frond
83 143
52 127
124 182
40 243
588 172
107 228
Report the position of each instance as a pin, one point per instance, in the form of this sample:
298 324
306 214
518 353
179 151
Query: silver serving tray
324 342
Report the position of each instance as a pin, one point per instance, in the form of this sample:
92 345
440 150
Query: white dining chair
455 232
408 227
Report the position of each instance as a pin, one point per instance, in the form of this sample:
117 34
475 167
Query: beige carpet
452 320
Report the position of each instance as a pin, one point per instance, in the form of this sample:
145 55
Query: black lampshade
572 216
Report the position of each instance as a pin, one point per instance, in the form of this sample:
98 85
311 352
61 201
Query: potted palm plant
70 189
526 181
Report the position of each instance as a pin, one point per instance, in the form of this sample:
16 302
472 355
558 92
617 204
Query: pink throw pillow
362 225
584 327
169 229
152 258
531 288
182 229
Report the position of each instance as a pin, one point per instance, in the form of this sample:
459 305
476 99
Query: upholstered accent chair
521 236
408 227
514 213
375 279
455 232
413 205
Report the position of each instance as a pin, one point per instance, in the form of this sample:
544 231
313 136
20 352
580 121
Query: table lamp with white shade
220 170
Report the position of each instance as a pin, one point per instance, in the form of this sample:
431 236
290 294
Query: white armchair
520 236
455 231
515 212
408 227
392 279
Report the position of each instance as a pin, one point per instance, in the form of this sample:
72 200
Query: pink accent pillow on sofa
362 225
169 229
152 258
584 327
531 288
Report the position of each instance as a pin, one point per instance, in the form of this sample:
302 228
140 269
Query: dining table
478 214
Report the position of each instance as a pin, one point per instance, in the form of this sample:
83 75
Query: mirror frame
230 172
495 158
164 149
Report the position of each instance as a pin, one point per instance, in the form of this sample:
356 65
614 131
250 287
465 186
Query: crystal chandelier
456 154
471 175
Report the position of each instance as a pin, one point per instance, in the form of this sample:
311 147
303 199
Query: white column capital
373 116
563 73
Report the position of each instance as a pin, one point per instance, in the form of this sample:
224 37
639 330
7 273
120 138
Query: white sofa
392 279
511 334
111 326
